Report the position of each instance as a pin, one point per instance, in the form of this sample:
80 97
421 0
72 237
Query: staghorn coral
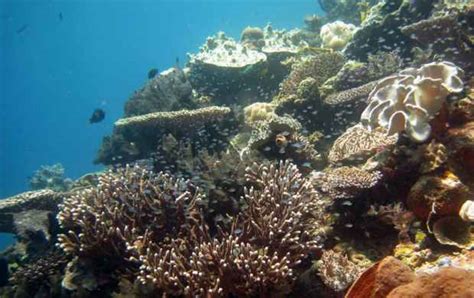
345 182
357 143
127 202
336 35
282 223
214 268
337 271
410 99
284 211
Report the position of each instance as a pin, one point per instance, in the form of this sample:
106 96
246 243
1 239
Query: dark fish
22 29
97 116
60 15
177 62
152 73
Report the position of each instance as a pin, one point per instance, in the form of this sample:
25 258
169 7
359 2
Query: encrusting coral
409 100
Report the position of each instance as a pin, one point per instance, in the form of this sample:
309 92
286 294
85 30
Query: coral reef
168 91
356 143
336 35
336 271
440 195
137 137
409 100
452 42
325 161
345 182
381 31
51 177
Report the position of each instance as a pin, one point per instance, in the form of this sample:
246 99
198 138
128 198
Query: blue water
55 72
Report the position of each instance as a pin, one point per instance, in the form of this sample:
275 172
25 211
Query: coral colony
333 160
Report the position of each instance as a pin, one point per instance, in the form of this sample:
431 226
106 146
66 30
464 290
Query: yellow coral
257 112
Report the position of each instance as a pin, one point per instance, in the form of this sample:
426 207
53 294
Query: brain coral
336 35
407 101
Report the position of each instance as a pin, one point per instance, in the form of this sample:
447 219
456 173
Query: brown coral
357 143
345 182
440 195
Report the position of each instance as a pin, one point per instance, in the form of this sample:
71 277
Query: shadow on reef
335 160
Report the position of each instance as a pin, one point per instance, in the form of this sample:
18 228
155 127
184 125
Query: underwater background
56 71
317 148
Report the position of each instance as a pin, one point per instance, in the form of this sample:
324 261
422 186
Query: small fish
177 62
22 29
60 15
152 73
97 116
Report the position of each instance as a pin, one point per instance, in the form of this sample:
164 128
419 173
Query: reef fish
152 73
97 116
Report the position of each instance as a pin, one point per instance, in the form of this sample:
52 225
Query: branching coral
153 225
127 202
214 268
284 211
37 272
408 101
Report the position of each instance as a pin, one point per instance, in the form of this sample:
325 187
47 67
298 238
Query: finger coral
284 211
410 99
